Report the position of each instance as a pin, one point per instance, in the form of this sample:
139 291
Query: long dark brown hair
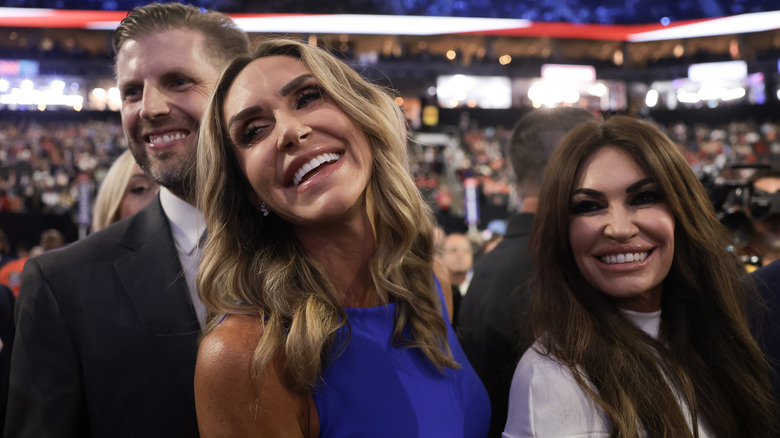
705 347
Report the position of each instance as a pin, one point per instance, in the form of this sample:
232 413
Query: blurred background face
768 184
457 253
139 192
766 235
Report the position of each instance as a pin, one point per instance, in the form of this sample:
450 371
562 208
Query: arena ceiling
604 12
576 20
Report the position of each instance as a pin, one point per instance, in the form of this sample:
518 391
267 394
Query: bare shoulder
230 401
230 346
224 390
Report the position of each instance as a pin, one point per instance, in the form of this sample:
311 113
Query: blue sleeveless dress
373 389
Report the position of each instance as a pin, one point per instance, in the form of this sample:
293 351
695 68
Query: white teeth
313 164
624 258
166 138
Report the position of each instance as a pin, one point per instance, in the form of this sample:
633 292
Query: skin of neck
344 250
457 278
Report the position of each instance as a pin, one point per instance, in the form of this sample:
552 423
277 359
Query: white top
546 401
188 227
464 287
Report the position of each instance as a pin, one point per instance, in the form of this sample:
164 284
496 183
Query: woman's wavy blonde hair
255 265
109 197
707 350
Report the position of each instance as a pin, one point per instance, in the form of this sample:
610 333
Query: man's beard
179 178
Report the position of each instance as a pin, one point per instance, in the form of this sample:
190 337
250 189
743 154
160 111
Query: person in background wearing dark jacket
490 320
767 329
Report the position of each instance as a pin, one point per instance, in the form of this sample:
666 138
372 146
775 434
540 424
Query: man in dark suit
491 320
767 329
107 329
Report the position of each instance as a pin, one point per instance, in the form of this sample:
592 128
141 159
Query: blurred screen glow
493 92
566 73
718 71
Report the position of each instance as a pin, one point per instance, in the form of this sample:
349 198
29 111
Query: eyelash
250 133
303 97
308 95
582 207
645 197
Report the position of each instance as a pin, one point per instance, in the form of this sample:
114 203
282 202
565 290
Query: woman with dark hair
325 316
640 311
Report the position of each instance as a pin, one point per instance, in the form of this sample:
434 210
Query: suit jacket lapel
154 281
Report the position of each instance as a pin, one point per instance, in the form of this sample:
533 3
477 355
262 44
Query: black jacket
491 320
106 338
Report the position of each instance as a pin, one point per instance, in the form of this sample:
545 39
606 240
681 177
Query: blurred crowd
441 171
42 164
711 148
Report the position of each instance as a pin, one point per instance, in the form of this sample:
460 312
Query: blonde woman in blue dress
326 318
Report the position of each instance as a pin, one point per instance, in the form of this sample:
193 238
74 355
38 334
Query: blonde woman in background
124 191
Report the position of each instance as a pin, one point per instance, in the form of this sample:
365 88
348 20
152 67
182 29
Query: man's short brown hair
223 37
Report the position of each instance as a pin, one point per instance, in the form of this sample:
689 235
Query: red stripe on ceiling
77 19
582 31
51 18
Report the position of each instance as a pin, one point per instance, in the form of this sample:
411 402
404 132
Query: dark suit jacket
767 330
7 300
106 338
492 315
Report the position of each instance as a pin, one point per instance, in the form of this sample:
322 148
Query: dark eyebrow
286 90
597 194
295 83
638 185
244 113
127 83
588 192
175 74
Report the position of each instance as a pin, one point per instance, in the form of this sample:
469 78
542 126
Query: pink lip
322 173
297 162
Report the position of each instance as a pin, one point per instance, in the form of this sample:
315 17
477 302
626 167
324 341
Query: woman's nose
292 130
620 224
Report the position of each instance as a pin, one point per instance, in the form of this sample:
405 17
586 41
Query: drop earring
263 209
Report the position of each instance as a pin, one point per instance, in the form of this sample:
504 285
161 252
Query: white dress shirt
546 401
189 228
